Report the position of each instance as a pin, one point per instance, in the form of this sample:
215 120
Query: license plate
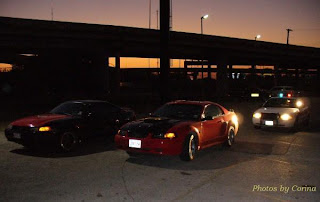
269 123
17 135
134 143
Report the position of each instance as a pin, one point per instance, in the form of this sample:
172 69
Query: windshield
180 111
74 109
280 102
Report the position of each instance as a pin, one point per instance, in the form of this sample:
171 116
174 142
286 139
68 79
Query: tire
189 148
68 141
257 127
231 137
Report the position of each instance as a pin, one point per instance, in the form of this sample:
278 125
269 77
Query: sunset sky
231 18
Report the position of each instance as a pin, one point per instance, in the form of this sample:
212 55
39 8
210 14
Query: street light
202 90
257 37
203 17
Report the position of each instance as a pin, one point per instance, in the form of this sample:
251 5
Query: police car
285 112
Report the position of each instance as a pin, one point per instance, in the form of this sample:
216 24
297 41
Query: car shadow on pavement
91 146
216 157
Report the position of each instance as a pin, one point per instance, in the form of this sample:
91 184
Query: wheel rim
192 147
231 137
67 141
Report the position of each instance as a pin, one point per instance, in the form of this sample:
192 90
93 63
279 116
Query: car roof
191 102
87 101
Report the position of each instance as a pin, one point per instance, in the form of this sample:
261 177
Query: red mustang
179 128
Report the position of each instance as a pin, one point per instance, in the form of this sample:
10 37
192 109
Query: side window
103 110
213 111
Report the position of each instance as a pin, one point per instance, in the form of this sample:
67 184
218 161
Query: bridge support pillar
209 70
98 75
222 80
276 75
117 74
230 71
164 41
297 76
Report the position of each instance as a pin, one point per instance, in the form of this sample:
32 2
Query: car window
69 108
280 102
179 111
103 110
213 111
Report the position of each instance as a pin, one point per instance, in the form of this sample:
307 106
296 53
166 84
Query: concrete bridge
57 39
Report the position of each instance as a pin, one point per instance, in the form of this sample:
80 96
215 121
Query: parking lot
263 165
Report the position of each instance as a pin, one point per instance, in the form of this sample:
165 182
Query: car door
212 124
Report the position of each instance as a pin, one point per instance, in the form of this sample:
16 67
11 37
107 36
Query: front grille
22 129
269 116
138 133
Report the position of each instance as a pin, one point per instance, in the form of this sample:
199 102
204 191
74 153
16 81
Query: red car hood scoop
39 120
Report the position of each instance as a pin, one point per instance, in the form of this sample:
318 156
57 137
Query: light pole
203 17
288 32
202 89
257 37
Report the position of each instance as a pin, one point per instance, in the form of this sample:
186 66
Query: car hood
151 124
277 110
39 120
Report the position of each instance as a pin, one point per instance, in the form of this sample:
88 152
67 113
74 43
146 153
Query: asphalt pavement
263 165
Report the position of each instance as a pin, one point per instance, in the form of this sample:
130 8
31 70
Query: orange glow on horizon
4 67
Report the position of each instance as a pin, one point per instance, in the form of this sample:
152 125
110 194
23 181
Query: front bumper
273 123
29 137
151 145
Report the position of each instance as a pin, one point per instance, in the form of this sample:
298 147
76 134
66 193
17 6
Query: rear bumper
151 145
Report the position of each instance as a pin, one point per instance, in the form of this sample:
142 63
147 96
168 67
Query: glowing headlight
257 115
169 135
234 119
285 117
299 103
44 128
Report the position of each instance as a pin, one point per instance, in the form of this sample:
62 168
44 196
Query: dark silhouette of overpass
45 38
36 36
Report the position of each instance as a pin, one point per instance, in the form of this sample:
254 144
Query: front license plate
135 143
269 123
17 135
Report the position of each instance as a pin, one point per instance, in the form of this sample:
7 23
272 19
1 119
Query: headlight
44 129
285 117
257 115
299 103
235 119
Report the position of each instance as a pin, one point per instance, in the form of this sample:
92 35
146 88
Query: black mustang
69 124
